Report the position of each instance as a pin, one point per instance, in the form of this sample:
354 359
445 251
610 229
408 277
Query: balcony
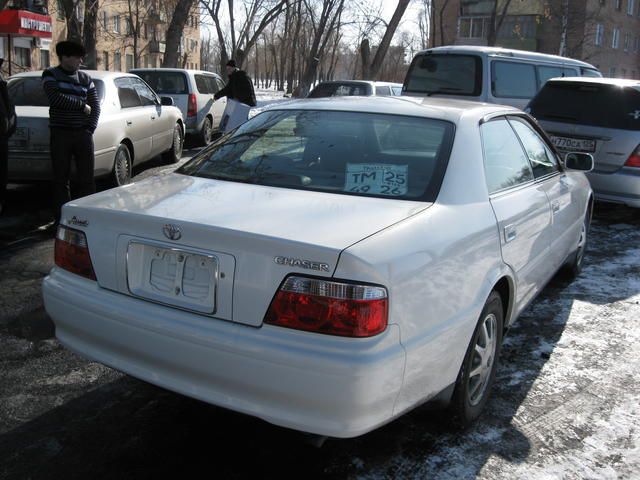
156 46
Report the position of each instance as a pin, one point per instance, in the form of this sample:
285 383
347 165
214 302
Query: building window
146 61
105 20
630 5
23 56
128 22
612 72
615 40
105 60
117 65
618 4
145 32
473 27
116 23
623 73
627 42
599 34
637 45
129 61
45 61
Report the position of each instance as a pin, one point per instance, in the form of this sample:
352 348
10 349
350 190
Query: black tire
122 166
478 370
206 134
174 154
573 268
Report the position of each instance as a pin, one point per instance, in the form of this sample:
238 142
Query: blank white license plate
569 144
173 277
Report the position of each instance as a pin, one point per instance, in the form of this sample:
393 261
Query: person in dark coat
8 123
239 87
74 110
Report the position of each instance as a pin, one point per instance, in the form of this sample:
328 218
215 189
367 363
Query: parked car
364 88
330 264
600 116
488 74
135 126
192 91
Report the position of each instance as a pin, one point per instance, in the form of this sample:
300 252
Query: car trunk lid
242 239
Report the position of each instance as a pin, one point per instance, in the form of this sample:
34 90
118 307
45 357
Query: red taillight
634 159
72 252
333 308
192 109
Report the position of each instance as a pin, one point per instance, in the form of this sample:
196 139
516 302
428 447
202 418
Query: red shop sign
21 23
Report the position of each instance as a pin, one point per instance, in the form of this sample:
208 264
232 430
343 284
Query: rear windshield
28 92
445 73
340 90
165 83
606 106
348 153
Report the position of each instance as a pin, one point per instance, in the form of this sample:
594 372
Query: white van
488 74
192 92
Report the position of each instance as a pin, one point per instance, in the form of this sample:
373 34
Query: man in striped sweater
74 110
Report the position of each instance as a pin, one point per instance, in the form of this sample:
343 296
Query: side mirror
579 161
166 101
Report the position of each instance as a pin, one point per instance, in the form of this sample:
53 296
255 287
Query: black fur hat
70 49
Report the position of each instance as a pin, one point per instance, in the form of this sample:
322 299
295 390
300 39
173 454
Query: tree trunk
72 22
365 53
374 69
174 32
89 33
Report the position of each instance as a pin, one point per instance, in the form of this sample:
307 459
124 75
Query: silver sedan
135 125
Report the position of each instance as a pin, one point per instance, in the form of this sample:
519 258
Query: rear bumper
622 186
29 166
315 383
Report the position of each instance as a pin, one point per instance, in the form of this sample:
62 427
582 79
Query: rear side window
127 93
440 73
505 163
165 83
201 84
28 92
590 72
546 72
340 90
349 153
543 161
513 80
383 91
606 106
212 84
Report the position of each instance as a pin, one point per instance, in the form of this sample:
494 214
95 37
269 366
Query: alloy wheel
483 357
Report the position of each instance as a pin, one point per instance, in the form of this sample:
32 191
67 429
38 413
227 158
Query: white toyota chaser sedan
330 264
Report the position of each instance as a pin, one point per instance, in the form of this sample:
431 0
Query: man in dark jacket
74 110
239 86
7 127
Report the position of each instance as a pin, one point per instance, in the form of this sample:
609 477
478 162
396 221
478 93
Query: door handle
153 117
129 122
510 233
555 206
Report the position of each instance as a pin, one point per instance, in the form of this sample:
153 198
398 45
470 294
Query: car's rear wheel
122 166
572 269
477 373
174 154
206 134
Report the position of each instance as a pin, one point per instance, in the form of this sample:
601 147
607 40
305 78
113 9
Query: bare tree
258 14
73 17
496 20
89 37
179 17
371 70
323 24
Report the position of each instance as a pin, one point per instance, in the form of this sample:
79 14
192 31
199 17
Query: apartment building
605 33
129 34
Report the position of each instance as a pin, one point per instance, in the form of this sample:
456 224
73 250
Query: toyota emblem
172 232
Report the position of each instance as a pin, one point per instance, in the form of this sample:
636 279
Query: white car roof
620 82
428 107
507 52
95 74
